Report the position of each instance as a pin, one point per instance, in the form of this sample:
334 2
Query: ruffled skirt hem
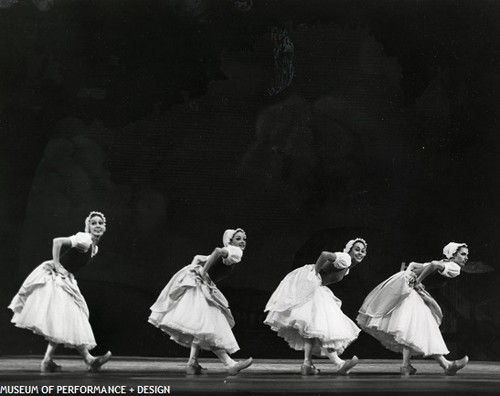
51 305
295 336
410 324
206 341
395 341
191 309
314 315
60 341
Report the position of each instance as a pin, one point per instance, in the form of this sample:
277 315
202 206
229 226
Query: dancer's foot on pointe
97 362
241 365
456 365
49 366
347 366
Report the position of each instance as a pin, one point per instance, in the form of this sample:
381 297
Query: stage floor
134 376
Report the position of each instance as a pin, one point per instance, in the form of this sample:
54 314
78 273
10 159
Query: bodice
330 274
73 260
219 270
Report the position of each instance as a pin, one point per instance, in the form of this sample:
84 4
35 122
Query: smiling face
97 226
461 256
358 252
239 239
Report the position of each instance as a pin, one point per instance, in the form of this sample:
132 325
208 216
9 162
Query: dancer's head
236 237
95 224
356 248
457 252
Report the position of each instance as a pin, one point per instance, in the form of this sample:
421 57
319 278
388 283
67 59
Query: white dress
302 308
192 309
400 316
50 303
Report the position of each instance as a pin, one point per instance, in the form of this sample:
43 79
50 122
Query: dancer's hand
202 274
413 266
199 270
60 269
410 278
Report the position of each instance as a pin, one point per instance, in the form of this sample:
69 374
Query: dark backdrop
306 123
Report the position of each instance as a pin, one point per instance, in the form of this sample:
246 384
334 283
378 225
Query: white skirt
51 305
409 321
301 308
192 309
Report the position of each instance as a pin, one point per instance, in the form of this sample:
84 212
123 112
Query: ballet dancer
305 312
50 304
404 317
194 312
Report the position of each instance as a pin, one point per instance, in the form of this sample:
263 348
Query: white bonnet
92 214
351 243
229 234
450 249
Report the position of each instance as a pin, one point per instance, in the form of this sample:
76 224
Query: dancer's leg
224 357
344 366
233 366
48 364
193 367
442 361
307 367
193 355
49 353
84 352
93 362
406 356
334 357
308 344
406 367
451 367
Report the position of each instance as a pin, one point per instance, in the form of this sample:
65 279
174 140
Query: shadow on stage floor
134 376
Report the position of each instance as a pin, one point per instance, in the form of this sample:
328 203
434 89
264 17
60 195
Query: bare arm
216 254
323 258
416 268
429 269
57 244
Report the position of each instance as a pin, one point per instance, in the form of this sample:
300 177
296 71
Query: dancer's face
240 240
461 256
97 226
358 252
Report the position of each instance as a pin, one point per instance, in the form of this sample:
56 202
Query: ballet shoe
201 367
96 363
407 370
309 370
457 365
194 369
49 367
348 365
241 365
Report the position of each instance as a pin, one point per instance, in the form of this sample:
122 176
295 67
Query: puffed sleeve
342 261
451 270
82 241
234 255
